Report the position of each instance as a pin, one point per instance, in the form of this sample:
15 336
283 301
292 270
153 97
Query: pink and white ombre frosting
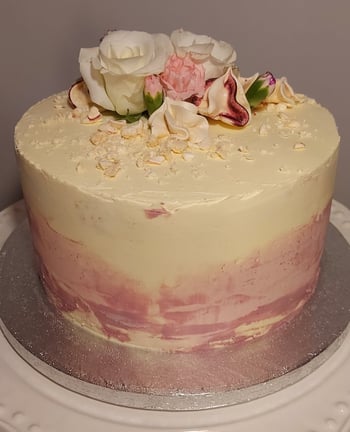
216 244
198 224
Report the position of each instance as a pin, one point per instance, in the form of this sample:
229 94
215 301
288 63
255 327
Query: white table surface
30 402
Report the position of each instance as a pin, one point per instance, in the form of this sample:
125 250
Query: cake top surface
171 119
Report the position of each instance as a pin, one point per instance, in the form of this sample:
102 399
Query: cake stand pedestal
30 402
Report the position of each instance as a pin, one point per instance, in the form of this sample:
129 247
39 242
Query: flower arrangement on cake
177 83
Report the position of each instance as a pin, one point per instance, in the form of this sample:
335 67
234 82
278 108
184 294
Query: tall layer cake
173 203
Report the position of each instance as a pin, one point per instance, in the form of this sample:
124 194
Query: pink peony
183 78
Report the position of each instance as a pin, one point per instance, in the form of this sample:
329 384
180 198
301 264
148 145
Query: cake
174 204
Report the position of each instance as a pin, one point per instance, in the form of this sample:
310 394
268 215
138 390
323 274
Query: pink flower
153 93
153 85
183 78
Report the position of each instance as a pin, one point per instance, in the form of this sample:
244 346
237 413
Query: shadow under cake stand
294 379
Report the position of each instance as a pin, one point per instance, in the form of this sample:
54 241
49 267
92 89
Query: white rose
114 72
180 119
215 56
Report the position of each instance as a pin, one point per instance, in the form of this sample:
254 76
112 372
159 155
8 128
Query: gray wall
307 41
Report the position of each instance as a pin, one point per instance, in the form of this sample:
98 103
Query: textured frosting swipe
212 205
229 302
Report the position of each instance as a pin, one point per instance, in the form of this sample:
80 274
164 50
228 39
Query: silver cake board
132 377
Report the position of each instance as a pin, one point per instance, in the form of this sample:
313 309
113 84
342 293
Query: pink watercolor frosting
226 303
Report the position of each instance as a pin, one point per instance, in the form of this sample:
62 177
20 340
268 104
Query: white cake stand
30 402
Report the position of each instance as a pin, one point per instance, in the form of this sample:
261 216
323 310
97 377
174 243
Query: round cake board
328 360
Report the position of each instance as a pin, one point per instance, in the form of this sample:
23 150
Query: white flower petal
163 48
123 52
224 52
200 46
93 79
215 56
126 93
284 93
180 119
225 100
247 82
136 53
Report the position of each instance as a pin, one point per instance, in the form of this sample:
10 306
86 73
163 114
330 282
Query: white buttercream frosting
280 166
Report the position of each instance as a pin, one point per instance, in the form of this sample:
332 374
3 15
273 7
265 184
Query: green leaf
261 88
153 103
256 94
130 118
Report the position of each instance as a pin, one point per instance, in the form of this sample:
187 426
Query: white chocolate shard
98 138
155 159
109 127
112 171
78 95
177 146
131 130
263 130
188 156
299 146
